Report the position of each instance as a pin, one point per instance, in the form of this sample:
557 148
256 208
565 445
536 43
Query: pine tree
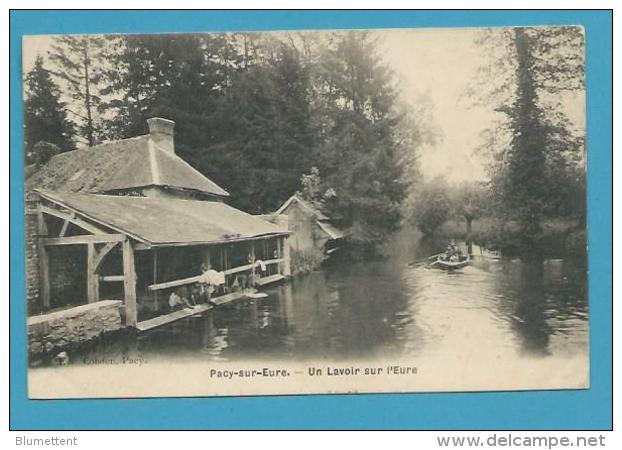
80 62
264 138
255 112
361 151
45 118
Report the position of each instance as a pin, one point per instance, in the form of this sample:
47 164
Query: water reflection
386 308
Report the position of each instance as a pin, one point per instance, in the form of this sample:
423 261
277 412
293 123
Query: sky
439 65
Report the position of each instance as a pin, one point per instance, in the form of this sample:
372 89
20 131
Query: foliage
43 151
255 112
535 151
311 185
361 153
79 65
432 206
305 261
45 119
469 200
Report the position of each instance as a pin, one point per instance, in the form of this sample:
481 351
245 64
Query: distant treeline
253 112
535 152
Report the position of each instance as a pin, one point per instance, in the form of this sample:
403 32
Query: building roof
332 231
321 219
310 207
165 221
125 164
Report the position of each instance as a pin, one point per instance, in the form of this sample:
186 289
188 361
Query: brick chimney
161 133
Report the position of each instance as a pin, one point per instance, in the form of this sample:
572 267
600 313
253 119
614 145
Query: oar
422 260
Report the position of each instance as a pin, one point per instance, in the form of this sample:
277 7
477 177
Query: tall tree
361 151
180 77
79 65
255 112
265 136
536 152
45 118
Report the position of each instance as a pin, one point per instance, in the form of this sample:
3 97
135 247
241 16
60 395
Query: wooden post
44 260
287 271
42 229
156 307
225 265
63 230
207 258
253 261
92 279
129 284
44 269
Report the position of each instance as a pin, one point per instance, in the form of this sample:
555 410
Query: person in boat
452 253
457 253
179 299
448 253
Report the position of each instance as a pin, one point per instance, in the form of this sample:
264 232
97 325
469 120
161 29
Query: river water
385 309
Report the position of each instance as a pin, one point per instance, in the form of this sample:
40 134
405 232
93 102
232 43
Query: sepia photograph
305 212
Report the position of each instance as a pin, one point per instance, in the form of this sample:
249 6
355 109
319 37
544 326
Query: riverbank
528 329
558 238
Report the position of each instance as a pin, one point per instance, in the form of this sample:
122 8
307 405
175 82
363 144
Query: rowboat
451 265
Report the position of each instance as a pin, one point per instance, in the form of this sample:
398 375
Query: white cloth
174 300
261 264
213 277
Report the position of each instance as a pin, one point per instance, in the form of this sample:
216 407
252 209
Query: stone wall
59 330
32 255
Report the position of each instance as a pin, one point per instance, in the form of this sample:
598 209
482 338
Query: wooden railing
194 279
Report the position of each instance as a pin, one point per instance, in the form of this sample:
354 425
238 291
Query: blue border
581 409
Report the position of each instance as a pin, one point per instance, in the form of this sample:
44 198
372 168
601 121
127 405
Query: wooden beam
270 279
174 283
70 217
63 230
154 254
253 260
279 253
112 278
196 278
172 317
146 246
42 229
129 284
44 271
207 257
84 239
108 246
92 280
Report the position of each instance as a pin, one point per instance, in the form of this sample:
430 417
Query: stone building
312 230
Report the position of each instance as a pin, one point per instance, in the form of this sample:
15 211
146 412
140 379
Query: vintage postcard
305 212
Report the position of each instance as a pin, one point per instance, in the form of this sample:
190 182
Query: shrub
305 261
